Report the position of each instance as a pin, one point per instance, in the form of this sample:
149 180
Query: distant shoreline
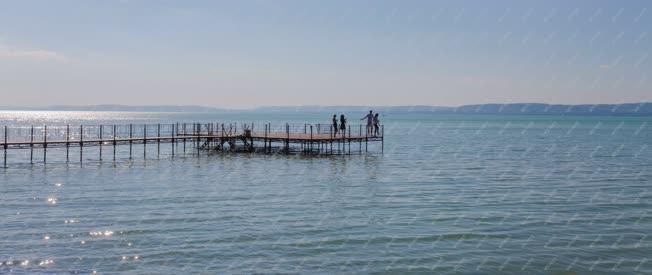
635 109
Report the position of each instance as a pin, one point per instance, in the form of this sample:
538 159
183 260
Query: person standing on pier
343 125
376 125
370 120
334 124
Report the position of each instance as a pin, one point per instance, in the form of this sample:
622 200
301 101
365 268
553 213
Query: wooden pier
184 138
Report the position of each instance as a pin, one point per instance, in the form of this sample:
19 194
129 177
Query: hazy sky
250 53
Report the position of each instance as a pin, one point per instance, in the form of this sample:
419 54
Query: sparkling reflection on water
457 194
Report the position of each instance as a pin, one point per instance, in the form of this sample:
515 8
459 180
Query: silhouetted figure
343 125
376 125
335 124
370 121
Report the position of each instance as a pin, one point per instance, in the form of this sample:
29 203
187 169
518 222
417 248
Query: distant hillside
635 109
643 109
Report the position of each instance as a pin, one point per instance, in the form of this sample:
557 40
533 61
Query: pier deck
199 137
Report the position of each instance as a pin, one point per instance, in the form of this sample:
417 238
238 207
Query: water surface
450 194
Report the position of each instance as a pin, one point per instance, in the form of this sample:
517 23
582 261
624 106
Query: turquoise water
450 194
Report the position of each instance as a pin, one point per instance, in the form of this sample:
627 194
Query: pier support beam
67 143
158 141
382 138
360 141
81 143
114 141
131 128
101 127
5 148
184 138
145 141
31 146
45 143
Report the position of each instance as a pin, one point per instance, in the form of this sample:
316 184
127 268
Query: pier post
131 127
81 142
287 141
5 147
221 136
173 135
366 141
198 137
331 139
158 140
270 140
145 141
45 143
349 140
265 140
360 141
184 138
31 146
114 141
311 143
382 138
101 140
68 143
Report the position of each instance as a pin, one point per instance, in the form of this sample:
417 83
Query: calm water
451 194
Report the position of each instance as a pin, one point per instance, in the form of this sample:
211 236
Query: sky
244 54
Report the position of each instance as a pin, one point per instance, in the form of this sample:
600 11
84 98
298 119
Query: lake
450 194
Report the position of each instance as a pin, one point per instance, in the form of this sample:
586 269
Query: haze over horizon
294 53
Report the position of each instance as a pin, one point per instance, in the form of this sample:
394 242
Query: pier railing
71 133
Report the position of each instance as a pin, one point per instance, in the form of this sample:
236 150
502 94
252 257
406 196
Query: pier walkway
311 139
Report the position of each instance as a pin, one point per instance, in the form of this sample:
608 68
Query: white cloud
39 55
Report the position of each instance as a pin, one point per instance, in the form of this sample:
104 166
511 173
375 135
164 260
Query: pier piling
31 146
67 143
145 141
131 127
45 143
5 148
114 141
101 127
81 143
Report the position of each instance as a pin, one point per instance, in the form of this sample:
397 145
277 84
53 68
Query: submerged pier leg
5 148
366 141
114 141
67 143
360 141
45 143
331 140
349 140
31 146
81 143
158 141
130 137
145 141
101 142
184 138
311 143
